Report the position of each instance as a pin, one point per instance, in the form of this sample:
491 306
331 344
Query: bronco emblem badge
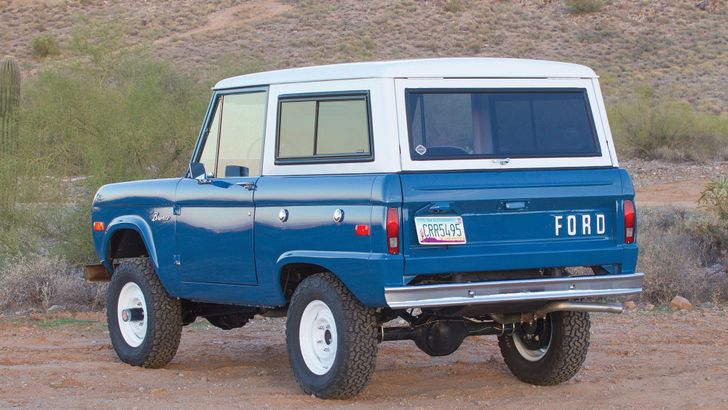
157 217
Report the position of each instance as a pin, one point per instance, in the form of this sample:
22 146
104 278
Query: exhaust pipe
580 307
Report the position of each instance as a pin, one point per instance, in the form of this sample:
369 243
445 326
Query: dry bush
43 281
677 258
45 46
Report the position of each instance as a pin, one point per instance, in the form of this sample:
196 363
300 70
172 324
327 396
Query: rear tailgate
519 219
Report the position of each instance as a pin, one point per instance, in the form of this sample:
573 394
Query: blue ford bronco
463 197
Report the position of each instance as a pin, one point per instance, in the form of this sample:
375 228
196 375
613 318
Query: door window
236 135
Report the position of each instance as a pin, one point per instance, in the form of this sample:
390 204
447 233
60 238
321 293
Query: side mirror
197 171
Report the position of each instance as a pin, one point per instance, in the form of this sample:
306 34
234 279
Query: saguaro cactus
9 102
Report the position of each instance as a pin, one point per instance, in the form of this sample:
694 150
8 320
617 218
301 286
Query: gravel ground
645 173
640 359
659 183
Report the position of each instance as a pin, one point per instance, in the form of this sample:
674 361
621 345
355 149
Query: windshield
497 123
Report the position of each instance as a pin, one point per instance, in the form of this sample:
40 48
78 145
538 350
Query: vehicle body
465 196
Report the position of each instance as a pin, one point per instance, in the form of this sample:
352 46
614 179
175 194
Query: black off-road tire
163 315
564 357
357 340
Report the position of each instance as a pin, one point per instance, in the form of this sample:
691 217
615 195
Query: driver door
215 213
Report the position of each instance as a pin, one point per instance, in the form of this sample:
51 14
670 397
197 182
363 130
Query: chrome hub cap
131 312
317 337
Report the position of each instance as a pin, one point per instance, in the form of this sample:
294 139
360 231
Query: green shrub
453 6
714 202
81 132
714 198
102 43
584 6
116 115
653 127
45 46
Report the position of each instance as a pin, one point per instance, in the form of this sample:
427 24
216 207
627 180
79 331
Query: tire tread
167 329
360 334
563 362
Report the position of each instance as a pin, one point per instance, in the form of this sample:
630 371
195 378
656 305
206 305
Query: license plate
440 230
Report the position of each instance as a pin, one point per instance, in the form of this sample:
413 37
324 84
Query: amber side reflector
98 226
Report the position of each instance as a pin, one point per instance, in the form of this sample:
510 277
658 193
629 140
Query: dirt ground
640 359
659 183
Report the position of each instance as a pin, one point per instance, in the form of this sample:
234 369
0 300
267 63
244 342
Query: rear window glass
452 124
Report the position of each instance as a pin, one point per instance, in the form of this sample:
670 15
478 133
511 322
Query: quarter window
297 129
324 128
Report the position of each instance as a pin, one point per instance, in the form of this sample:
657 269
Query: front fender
363 273
133 222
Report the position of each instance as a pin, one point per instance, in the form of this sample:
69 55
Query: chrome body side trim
509 291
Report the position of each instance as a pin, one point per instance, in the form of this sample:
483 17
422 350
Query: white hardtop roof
422 68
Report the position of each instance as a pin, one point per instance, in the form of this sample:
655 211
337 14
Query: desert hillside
674 46
115 90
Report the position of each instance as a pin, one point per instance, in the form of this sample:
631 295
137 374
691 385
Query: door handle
440 208
247 185
515 205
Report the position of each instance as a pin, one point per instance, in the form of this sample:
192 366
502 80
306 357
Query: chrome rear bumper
513 291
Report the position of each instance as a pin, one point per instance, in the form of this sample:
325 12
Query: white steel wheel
331 338
317 337
534 346
131 312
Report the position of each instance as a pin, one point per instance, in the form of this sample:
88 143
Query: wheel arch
353 269
292 274
128 237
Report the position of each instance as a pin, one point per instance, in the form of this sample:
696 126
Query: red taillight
98 226
393 231
628 221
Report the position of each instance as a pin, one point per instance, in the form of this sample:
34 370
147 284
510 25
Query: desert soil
659 183
639 359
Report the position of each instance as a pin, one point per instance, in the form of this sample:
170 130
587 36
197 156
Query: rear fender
359 271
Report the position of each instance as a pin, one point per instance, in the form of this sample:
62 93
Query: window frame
499 90
209 118
205 134
591 85
352 95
